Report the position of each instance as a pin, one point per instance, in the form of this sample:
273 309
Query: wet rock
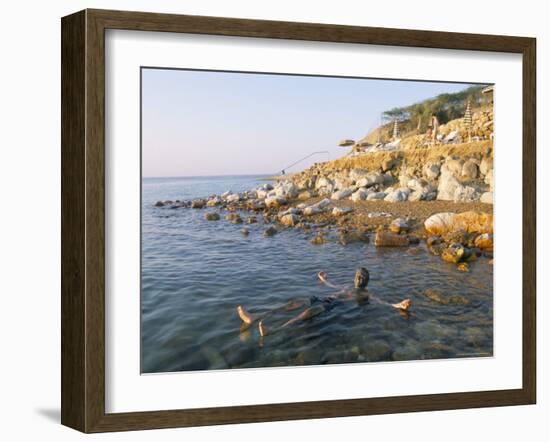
341 211
197 204
245 232
399 225
235 218
159 204
463 267
390 239
318 239
484 241
289 220
270 231
346 237
213 216
460 236
413 240
455 253
251 220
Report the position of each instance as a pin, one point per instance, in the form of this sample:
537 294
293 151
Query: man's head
361 278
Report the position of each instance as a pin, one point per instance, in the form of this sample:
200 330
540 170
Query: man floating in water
315 305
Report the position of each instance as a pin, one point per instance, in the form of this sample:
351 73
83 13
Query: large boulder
442 223
233 198
448 184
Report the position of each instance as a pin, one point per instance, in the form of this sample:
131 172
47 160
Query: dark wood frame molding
83 219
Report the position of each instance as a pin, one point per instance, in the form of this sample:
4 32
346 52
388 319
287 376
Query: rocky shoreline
459 232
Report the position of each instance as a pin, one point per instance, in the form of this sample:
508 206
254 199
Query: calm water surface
195 272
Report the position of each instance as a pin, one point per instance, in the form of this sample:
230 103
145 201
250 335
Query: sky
201 123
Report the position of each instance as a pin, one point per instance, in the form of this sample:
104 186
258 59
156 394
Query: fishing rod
305 158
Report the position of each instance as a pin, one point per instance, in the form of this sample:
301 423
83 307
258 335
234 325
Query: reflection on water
195 272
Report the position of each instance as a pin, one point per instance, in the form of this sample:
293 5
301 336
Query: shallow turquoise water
195 272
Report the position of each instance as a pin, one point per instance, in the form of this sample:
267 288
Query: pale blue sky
218 123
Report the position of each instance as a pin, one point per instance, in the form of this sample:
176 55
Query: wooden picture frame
83 219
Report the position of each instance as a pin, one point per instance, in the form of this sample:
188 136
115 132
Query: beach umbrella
468 120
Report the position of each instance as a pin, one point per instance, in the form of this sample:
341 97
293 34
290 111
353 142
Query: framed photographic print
269 220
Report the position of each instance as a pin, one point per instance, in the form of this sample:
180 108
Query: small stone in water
245 232
212 216
270 231
159 204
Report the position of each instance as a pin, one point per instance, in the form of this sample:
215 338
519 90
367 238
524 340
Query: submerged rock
212 216
318 239
270 231
159 204
289 220
390 239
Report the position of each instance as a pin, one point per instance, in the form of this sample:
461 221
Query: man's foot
403 305
262 329
246 317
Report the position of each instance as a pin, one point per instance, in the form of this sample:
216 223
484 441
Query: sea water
195 272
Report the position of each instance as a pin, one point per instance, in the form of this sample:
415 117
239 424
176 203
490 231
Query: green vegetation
445 106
